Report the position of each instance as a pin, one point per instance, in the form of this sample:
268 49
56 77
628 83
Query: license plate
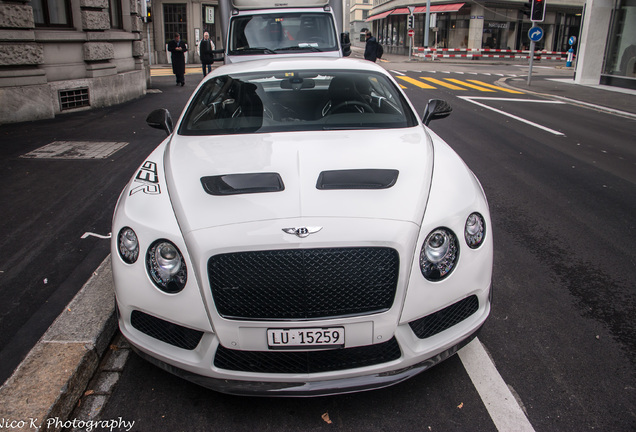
329 337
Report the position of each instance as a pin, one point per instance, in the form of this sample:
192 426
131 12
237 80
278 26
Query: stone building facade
66 55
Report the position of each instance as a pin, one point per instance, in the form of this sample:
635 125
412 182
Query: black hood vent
357 179
235 184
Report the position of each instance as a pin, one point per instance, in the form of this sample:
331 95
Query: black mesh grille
304 284
307 361
165 331
444 319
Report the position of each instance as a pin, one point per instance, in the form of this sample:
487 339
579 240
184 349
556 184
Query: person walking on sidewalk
371 48
206 46
178 48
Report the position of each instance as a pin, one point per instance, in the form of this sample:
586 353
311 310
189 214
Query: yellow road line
415 82
472 86
442 83
481 83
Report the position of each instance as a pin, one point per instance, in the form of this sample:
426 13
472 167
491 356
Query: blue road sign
572 40
535 34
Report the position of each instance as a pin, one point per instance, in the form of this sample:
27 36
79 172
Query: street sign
535 34
572 40
411 32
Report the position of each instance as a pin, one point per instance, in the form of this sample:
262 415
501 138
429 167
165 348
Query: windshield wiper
248 50
300 48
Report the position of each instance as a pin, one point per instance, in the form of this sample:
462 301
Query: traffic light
526 8
538 10
411 21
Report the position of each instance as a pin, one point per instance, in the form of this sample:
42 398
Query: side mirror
219 57
160 119
436 109
345 41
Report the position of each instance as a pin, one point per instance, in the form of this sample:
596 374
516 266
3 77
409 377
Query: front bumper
415 347
309 388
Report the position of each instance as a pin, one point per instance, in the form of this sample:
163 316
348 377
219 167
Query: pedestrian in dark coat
206 46
178 48
371 48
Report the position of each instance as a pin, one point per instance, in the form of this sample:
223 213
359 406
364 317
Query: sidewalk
49 383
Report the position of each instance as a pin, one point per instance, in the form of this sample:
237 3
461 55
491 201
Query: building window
52 13
175 21
620 55
115 14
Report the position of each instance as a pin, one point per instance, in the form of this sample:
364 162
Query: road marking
472 86
443 84
92 234
501 404
473 100
481 83
415 82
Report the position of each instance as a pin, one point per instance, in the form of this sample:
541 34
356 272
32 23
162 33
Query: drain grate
75 150
75 98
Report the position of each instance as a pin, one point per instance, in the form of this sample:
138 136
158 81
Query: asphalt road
560 183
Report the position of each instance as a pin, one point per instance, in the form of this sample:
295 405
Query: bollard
568 63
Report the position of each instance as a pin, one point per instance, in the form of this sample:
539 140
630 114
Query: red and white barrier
486 53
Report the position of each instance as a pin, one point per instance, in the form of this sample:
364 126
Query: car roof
299 63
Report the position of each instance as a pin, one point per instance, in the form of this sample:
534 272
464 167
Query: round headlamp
128 245
166 266
439 254
475 230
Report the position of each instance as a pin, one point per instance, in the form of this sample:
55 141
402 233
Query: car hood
285 179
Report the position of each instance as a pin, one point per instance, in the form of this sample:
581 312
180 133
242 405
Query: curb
43 391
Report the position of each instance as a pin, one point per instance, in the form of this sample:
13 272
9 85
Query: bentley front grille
306 361
299 284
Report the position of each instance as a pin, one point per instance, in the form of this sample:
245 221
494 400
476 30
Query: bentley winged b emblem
302 231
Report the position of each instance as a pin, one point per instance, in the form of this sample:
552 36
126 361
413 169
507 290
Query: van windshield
278 33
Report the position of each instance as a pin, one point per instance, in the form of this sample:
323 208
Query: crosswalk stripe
472 86
415 82
481 83
443 84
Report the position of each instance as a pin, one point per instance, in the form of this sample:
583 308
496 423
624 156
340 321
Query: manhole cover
76 150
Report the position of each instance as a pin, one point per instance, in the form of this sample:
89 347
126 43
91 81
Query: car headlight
439 254
128 245
474 230
166 266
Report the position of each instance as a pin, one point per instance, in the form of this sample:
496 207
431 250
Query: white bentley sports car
301 231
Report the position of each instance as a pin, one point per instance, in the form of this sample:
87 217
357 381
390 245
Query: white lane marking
472 99
89 234
501 404
398 72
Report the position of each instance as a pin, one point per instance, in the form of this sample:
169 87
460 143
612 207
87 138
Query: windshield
296 101
282 32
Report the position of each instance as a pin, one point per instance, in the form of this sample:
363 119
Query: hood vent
357 179
235 184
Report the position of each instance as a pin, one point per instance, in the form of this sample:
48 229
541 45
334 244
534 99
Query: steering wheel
352 103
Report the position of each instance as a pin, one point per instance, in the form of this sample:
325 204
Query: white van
258 29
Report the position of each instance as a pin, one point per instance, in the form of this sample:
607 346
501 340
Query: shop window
52 13
620 57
